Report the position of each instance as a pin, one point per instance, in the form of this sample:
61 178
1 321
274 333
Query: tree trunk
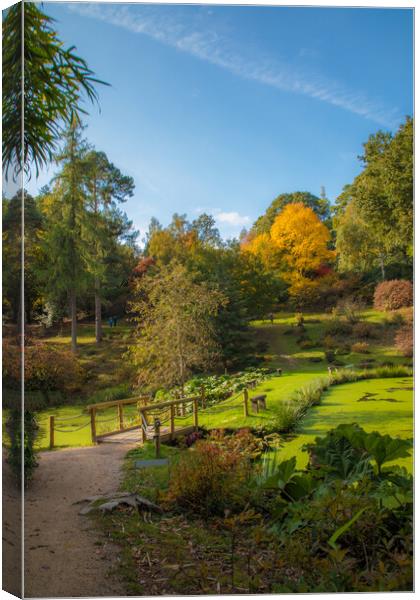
73 315
382 265
98 311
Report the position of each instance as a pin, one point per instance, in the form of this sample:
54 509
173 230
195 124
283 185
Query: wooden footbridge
166 420
142 419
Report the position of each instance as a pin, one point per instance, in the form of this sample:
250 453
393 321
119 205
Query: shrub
393 294
315 359
299 319
343 349
14 431
350 308
363 330
243 441
307 344
394 319
366 364
360 348
218 387
208 479
336 326
329 342
329 356
404 340
261 346
46 368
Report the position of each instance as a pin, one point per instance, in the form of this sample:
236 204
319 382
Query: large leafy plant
348 451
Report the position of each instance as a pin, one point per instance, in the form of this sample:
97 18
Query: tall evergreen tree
106 186
66 240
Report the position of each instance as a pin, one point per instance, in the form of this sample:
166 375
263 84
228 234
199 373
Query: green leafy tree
175 326
55 82
105 186
207 232
381 200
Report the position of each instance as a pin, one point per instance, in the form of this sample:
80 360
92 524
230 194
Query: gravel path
62 554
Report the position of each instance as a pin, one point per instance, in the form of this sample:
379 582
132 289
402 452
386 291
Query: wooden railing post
51 432
203 397
172 421
93 425
121 416
157 437
143 420
246 412
195 408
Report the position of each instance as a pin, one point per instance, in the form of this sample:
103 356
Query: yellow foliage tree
262 246
296 247
301 238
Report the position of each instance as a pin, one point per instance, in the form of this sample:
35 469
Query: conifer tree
106 186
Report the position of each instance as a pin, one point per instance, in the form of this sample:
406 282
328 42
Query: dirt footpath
62 554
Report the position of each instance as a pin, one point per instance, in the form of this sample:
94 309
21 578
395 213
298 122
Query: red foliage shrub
404 339
323 270
46 368
208 479
393 294
143 266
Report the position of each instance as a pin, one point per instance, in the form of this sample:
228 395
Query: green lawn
389 410
74 423
277 389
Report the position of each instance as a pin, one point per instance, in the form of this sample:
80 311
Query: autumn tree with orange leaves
296 248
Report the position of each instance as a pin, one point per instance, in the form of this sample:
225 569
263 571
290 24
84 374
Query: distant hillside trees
80 248
250 291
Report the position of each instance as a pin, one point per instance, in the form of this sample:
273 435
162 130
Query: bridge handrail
109 403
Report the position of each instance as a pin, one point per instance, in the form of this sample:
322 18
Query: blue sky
221 108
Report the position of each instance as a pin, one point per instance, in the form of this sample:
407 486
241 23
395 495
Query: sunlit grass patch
340 404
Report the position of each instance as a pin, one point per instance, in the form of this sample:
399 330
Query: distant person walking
114 321
110 321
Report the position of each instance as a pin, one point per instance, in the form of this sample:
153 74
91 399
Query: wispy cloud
233 218
210 46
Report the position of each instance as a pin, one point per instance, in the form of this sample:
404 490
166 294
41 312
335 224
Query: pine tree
106 186
65 241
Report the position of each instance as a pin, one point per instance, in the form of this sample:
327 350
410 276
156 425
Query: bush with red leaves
46 368
143 266
393 294
404 339
208 479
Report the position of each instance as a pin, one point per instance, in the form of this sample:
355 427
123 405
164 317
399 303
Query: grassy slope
106 368
105 364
